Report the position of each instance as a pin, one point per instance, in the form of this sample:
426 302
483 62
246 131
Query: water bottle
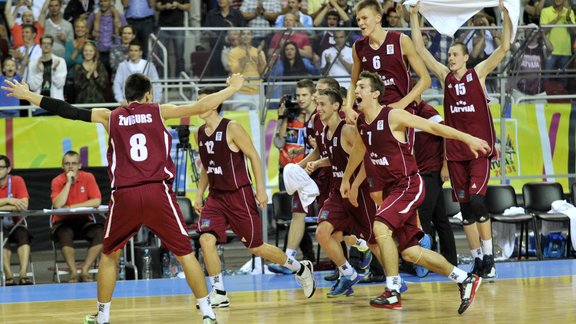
121 269
146 265
166 266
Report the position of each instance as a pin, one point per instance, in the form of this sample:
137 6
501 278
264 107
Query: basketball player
141 173
466 109
383 136
223 145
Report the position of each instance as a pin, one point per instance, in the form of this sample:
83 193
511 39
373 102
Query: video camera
293 109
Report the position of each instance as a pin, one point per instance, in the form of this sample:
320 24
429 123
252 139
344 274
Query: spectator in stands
532 10
292 65
90 77
27 53
48 73
135 64
14 197
332 9
106 26
558 14
9 71
393 18
294 7
60 29
140 14
119 52
16 29
78 9
74 56
260 14
324 42
297 37
337 61
222 16
172 15
75 188
231 41
480 43
250 62
528 64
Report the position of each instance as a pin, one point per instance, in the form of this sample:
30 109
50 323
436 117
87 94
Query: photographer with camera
292 141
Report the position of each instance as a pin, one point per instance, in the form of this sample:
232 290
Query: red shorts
349 219
374 183
469 178
236 209
399 211
322 178
153 205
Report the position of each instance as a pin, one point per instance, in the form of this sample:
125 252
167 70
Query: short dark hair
5 159
135 43
70 153
208 91
375 81
462 46
333 13
136 86
306 83
128 26
31 27
47 37
373 4
333 95
330 82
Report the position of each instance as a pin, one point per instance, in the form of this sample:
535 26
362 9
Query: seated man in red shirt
71 189
14 197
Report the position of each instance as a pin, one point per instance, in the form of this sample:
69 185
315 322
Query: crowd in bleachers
90 43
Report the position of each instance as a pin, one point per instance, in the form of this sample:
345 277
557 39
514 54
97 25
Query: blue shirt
138 9
6 101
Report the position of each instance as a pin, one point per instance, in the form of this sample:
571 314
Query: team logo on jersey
364 60
469 78
218 136
390 49
201 143
474 186
324 214
82 189
204 223
380 125
335 141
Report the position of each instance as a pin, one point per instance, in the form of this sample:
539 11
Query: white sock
291 253
292 264
458 275
217 282
103 312
205 307
346 269
477 253
361 245
393 283
487 247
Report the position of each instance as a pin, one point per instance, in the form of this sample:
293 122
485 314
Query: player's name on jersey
135 119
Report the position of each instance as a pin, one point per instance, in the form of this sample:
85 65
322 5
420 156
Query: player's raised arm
56 106
438 69
351 115
488 65
235 82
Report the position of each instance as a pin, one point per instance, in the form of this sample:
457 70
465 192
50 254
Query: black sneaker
333 276
478 269
488 267
468 290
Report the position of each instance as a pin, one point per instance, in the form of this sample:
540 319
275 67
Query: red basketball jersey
318 133
466 109
226 169
388 62
392 160
139 146
428 148
338 157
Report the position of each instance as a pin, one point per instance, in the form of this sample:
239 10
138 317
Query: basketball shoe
477 269
276 268
366 258
389 299
343 286
92 319
305 278
468 290
425 243
208 320
488 267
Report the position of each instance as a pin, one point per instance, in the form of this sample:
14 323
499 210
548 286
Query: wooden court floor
522 300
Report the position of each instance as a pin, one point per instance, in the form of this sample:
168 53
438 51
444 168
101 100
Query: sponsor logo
219 136
380 125
134 119
364 59
469 78
449 85
390 49
242 239
474 186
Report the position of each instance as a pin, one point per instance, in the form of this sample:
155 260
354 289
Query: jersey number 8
138 150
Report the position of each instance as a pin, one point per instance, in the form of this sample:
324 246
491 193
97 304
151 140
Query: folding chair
538 198
501 197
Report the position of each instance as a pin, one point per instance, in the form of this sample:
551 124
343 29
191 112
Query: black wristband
65 110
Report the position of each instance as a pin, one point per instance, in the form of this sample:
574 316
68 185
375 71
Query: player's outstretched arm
59 107
244 143
488 65
438 69
235 82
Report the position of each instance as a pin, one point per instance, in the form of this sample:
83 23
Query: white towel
563 207
504 234
447 16
296 179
